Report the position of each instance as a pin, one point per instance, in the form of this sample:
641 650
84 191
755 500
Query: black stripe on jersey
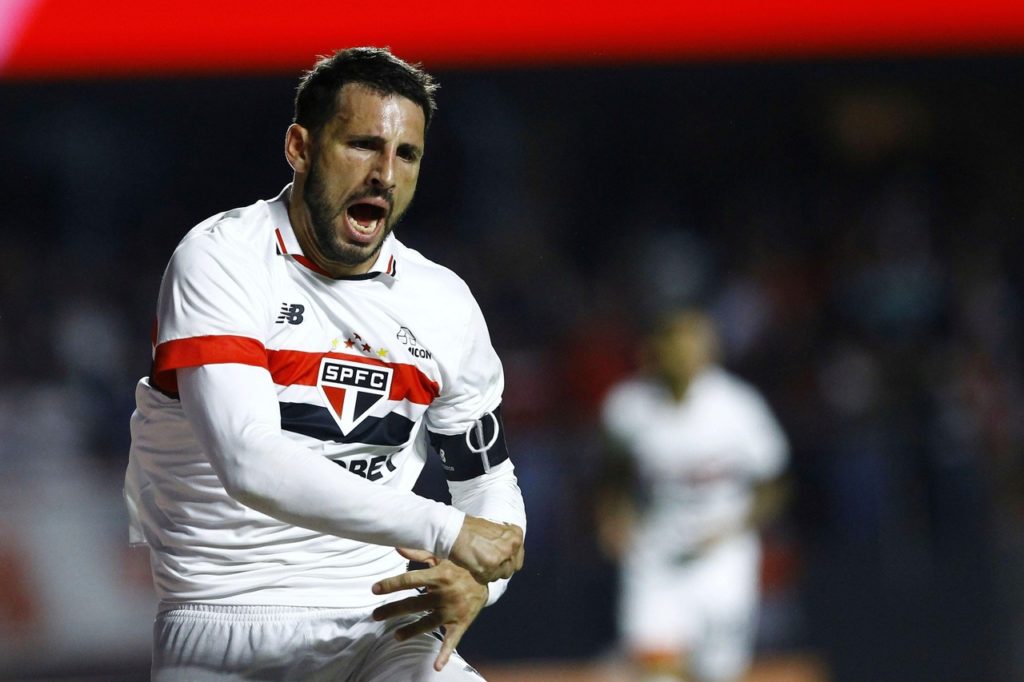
316 422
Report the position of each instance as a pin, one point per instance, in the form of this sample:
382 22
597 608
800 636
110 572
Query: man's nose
383 172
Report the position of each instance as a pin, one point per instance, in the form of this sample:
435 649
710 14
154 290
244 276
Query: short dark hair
373 67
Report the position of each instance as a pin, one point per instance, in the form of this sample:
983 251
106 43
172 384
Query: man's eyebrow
378 140
365 137
410 147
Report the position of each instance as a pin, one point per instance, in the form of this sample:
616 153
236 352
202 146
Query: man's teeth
370 227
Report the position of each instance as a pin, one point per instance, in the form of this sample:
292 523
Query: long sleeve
233 411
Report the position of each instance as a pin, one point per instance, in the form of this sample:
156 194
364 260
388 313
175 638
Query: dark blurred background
854 225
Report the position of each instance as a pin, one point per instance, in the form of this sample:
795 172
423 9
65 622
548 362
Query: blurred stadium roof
86 38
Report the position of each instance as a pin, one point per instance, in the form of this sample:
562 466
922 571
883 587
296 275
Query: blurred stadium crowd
855 227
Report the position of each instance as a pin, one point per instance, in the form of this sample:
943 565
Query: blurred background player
694 467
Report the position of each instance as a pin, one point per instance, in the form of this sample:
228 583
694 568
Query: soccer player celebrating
703 453
305 363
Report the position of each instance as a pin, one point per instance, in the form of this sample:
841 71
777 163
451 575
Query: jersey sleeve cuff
449 532
495 589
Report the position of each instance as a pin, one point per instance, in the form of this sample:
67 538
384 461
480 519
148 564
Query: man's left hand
453 598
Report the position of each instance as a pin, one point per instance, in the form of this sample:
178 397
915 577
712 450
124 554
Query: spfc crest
350 389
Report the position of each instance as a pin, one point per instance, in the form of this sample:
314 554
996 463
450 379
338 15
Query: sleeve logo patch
351 389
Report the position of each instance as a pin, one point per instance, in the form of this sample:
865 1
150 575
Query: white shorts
199 642
704 607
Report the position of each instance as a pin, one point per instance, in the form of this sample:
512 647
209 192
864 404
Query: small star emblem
366 348
349 343
383 352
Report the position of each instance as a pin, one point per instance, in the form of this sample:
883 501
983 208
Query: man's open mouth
366 217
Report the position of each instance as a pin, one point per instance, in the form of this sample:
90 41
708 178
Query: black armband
473 453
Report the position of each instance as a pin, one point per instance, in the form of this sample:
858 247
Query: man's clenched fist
488 550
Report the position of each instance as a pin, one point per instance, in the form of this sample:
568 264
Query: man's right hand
488 550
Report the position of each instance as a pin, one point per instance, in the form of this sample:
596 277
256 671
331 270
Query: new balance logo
291 313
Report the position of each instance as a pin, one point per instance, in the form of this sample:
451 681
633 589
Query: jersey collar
288 244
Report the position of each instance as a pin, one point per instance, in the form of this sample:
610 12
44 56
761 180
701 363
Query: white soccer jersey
696 459
360 366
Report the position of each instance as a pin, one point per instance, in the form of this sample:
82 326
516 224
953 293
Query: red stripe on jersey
311 265
280 241
203 350
293 367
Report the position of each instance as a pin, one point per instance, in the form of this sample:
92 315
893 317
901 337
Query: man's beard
322 216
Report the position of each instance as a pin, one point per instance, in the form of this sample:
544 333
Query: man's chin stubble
349 256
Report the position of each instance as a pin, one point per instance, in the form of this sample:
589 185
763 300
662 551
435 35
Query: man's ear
297 148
